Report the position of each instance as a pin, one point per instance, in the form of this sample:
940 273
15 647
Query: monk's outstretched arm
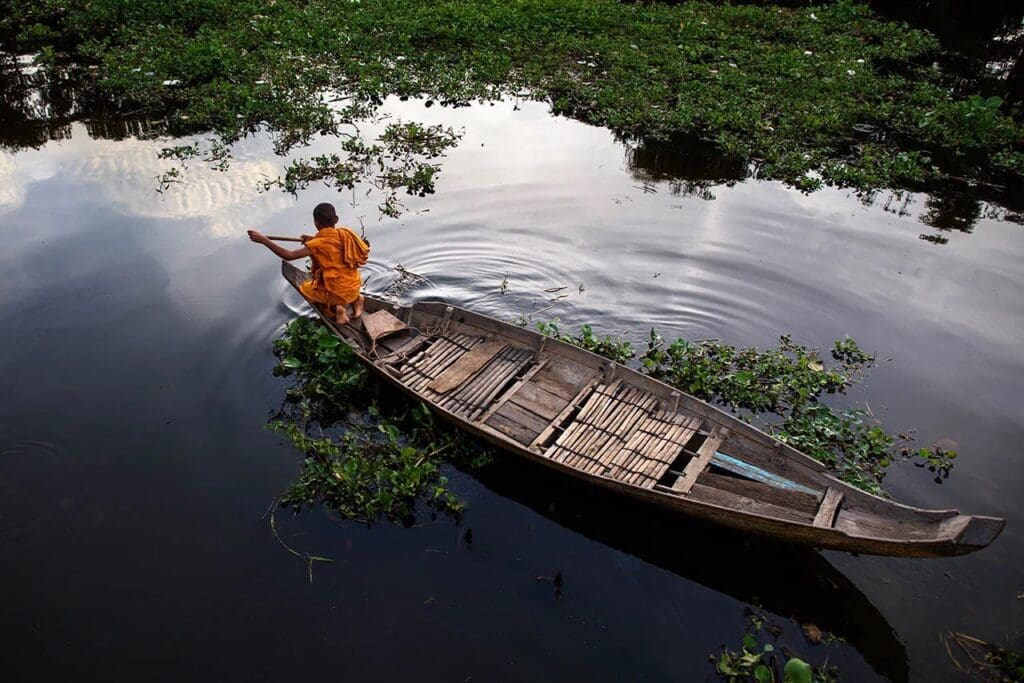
279 251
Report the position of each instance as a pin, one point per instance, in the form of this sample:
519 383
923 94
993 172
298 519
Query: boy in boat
337 253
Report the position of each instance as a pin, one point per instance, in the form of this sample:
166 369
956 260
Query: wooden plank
550 383
826 515
667 452
745 469
495 383
473 398
435 365
472 391
650 454
561 417
466 366
603 404
515 389
624 429
863 523
434 356
795 500
534 398
640 437
696 467
513 430
597 402
628 465
634 449
727 499
598 436
524 417
404 350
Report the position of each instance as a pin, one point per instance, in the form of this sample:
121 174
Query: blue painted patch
745 469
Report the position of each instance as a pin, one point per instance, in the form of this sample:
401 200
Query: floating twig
305 557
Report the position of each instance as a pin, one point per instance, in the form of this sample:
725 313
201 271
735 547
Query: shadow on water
792 582
39 105
691 167
982 41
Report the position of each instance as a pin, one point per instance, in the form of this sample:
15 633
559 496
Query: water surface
135 471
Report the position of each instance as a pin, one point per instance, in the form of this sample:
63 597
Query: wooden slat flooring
466 366
420 368
620 432
474 396
612 429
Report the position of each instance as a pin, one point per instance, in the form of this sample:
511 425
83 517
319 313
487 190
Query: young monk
337 254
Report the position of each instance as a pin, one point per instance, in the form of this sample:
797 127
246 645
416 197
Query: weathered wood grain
464 368
700 462
829 508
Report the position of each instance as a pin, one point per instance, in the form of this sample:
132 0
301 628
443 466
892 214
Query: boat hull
628 433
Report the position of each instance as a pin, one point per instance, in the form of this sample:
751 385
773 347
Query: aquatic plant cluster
368 455
984 661
809 95
758 661
781 388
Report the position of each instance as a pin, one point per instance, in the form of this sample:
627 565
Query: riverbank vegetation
813 95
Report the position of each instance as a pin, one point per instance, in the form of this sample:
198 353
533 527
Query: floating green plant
810 95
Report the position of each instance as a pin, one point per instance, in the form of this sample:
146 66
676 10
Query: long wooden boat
565 408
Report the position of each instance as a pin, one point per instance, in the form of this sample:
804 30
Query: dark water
135 472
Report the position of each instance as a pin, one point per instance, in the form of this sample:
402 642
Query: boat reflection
797 583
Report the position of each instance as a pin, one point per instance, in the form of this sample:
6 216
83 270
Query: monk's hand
256 236
306 238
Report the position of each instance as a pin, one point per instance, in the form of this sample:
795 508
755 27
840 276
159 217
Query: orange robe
337 254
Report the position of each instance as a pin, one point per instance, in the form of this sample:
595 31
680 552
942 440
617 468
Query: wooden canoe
571 410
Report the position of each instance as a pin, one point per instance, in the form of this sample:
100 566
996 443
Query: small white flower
808 53
136 70
851 72
860 61
174 81
732 64
261 82
814 16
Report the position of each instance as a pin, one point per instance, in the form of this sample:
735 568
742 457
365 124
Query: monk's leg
340 316
357 306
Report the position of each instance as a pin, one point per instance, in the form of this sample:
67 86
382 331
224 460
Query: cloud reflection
125 173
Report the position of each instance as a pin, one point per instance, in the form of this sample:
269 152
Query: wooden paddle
279 238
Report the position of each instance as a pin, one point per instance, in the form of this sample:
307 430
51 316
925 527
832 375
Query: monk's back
337 255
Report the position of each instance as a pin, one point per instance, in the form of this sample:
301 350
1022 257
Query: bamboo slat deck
565 408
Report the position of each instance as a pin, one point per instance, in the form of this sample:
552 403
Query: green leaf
797 671
762 674
328 341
